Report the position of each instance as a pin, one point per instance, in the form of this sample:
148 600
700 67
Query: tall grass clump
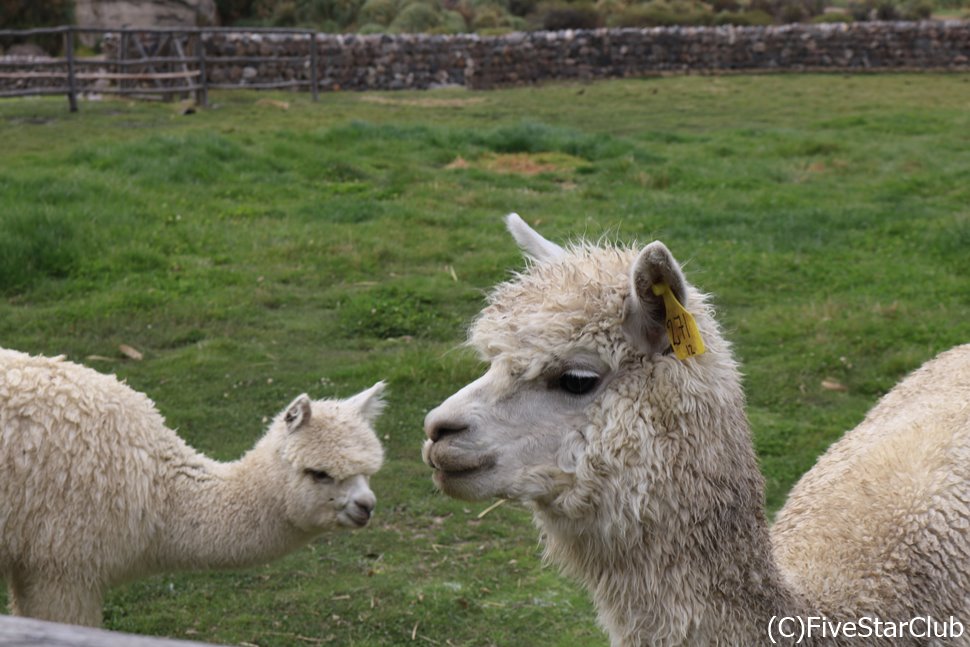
36 246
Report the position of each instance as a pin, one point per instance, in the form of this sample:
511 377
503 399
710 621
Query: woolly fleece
97 490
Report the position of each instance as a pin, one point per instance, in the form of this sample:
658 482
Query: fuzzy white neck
673 543
224 515
663 589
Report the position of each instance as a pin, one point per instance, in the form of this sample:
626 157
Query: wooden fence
164 62
27 632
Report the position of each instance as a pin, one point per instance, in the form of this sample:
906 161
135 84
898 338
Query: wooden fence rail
163 64
27 632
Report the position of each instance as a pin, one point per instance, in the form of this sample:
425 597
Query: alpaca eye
319 476
578 382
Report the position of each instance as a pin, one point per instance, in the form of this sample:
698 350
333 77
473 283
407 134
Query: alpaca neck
680 553
654 587
225 515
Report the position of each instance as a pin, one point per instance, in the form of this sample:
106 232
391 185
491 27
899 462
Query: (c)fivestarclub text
799 629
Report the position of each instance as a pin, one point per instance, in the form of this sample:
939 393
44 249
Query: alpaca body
97 490
641 471
882 521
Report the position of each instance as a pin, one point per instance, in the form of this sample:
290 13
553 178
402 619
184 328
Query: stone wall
422 61
417 61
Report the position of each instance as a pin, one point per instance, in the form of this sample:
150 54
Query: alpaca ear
298 413
369 403
646 315
531 242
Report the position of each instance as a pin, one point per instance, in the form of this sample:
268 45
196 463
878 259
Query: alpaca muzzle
357 513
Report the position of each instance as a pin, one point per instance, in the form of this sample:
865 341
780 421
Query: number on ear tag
685 337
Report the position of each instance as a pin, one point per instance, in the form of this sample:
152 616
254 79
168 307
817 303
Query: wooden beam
93 76
27 632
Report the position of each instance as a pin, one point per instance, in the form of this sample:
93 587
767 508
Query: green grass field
253 253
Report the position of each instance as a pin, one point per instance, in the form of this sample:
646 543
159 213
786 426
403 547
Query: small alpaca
97 490
613 407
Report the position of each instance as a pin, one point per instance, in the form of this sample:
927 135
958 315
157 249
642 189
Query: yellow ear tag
685 338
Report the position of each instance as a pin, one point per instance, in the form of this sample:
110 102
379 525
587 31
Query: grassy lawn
253 253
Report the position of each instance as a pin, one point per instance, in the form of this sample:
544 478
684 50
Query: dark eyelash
578 382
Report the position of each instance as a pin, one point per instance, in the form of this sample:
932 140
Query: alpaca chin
477 484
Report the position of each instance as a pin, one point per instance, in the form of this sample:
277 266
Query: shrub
832 17
284 15
748 18
341 12
661 13
377 12
558 16
874 10
522 7
416 18
916 10
722 6
789 10
481 4
452 22
608 8
17 14
495 20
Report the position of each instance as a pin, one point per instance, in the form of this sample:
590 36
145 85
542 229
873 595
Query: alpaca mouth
451 462
354 518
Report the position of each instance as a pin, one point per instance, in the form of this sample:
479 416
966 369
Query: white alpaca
643 480
96 490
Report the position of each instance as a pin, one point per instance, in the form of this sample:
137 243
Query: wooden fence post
202 94
122 58
314 74
71 78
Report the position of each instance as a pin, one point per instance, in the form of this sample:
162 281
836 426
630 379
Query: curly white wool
97 490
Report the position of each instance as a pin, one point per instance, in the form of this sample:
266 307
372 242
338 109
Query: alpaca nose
437 426
365 504
438 432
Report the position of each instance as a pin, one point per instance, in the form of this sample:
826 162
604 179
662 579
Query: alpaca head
328 451
582 385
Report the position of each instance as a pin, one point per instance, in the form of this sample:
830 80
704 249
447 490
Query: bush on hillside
377 12
744 18
555 16
493 19
787 11
916 10
416 17
452 22
18 14
522 8
342 12
832 17
664 13
284 15
891 9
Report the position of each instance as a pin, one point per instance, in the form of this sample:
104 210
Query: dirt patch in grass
521 163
